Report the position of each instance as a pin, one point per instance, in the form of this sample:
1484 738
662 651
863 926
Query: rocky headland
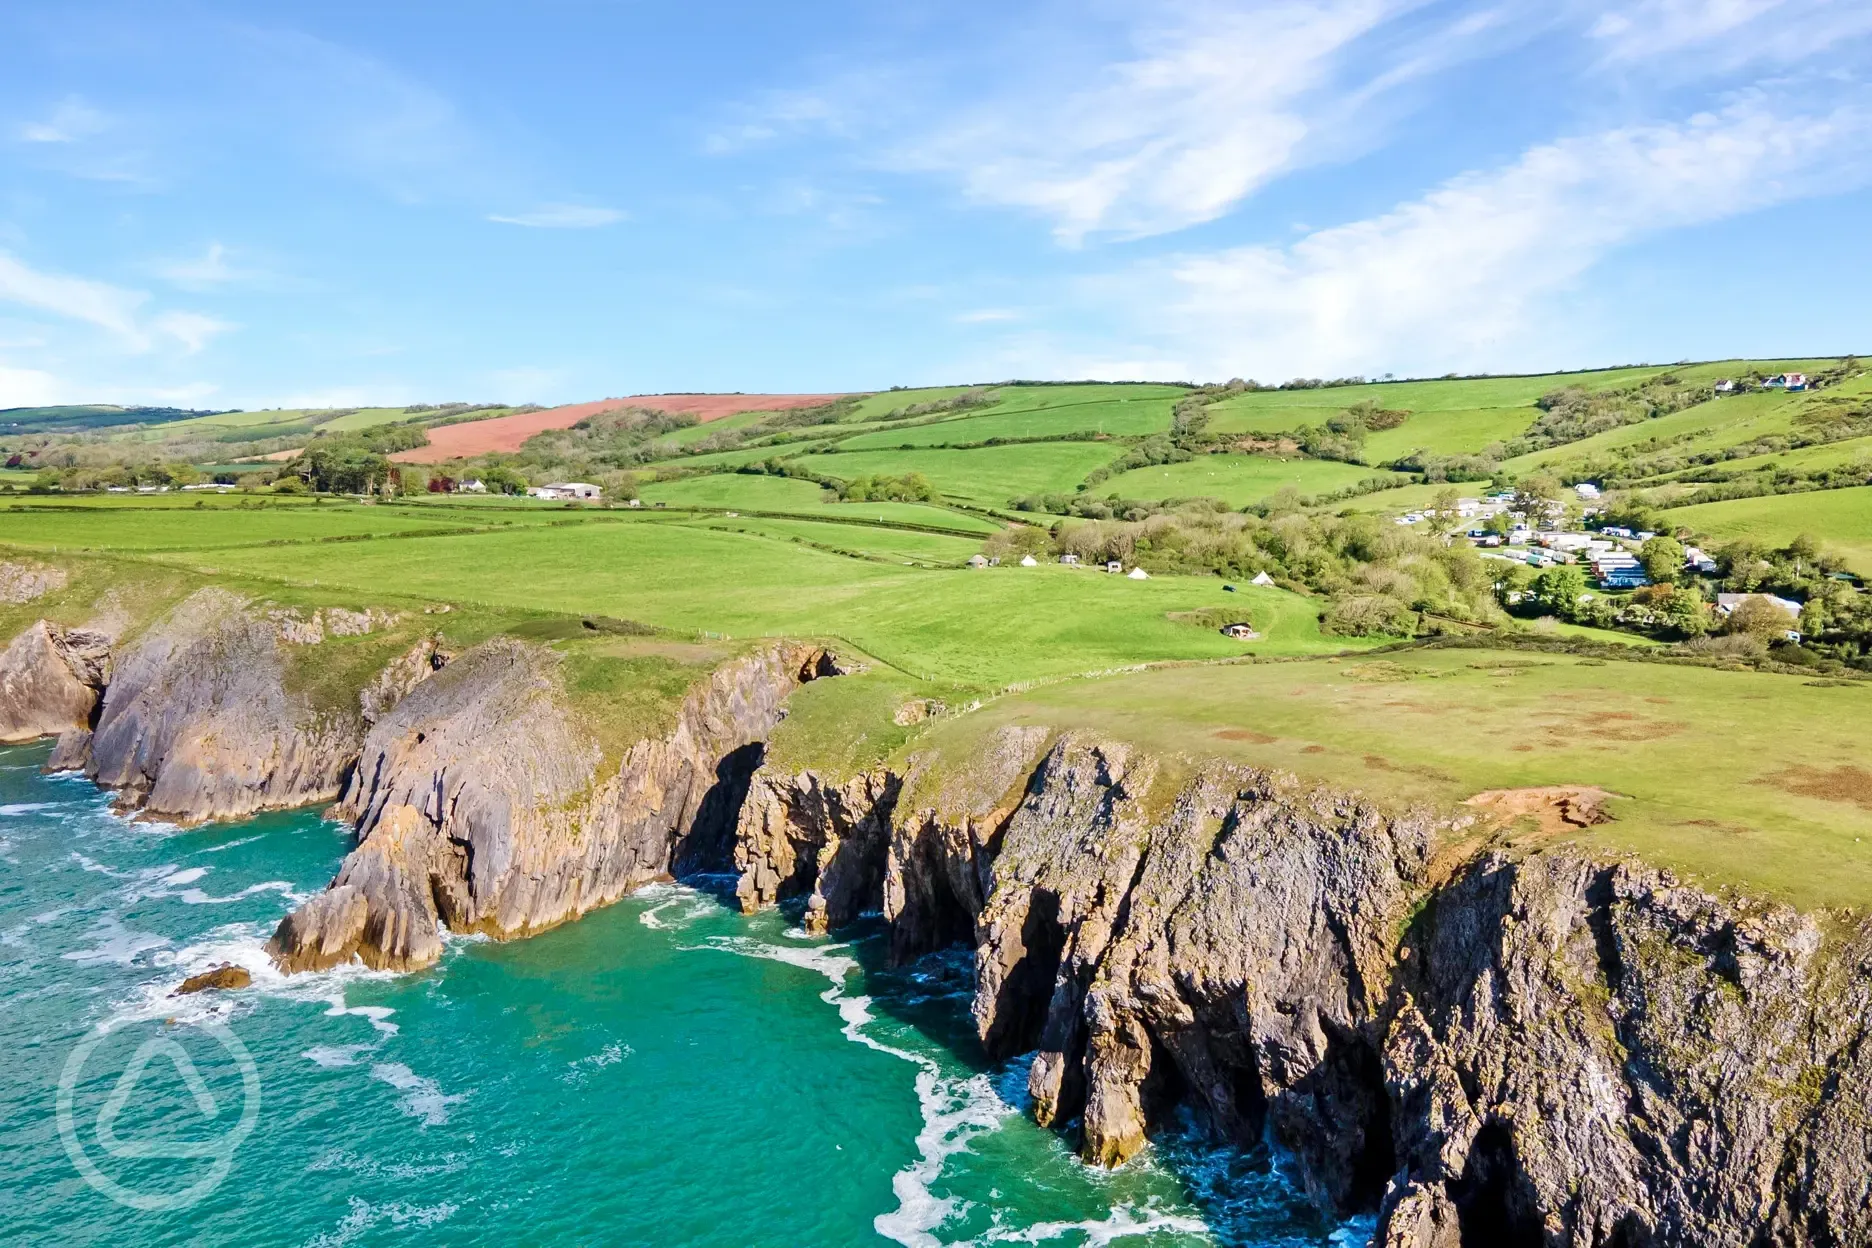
1480 1045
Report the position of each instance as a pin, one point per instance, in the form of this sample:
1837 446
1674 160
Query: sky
228 205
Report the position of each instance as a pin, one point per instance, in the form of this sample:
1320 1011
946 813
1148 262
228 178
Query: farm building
566 490
471 487
1725 603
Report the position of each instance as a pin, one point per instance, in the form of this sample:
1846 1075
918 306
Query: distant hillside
71 418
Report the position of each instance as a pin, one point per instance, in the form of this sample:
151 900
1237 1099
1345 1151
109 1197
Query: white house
1726 603
470 487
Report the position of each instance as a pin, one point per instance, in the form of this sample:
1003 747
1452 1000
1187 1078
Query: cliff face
798 836
1541 1051
479 805
50 680
197 722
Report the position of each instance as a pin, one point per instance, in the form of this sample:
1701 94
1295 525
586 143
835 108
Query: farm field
1805 458
983 628
1841 519
988 476
1439 395
1452 431
1707 426
1237 480
1123 417
765 493
874 406
901 546
1738 778
103 528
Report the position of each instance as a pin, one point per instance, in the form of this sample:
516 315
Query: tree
1558 590
1537 498
1760 618
1442 514
1663 559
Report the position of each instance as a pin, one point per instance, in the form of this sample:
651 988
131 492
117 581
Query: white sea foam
678 908
245 840
610 1055
352 1163
14 809
365 1216
333 1056
1124 1222
423 1098
955 1108
115 943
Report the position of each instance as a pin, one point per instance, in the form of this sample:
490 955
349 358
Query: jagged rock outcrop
797 835
479 805
197 721
50 681
1594 1054
1543 1050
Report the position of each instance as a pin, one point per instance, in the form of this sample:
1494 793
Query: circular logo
218 1151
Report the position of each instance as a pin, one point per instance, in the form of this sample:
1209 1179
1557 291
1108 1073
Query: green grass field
1456 431
1841 519
874 406
987 477
984 627
1119 418
105 529
1731 777
763 493
900 546
1439 395
1237 480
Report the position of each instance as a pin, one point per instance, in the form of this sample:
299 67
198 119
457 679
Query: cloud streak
562 217
1458 278
104 306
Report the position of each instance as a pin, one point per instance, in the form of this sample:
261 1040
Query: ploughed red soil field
506 433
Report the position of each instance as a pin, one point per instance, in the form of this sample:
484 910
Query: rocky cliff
50 681
198 723
480 804
1540 1050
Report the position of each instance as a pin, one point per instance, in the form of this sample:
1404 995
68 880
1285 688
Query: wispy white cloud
1459 277
98 303
1724 34
210 269
1210 108
68 122
115 309
191 330
562 217
982 316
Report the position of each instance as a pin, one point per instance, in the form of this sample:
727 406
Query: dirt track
506 433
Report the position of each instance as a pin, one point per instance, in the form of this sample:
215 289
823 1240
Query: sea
665 1071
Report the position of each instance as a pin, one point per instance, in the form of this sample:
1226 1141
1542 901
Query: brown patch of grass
1378 762
1313 749
1245 734
1846 784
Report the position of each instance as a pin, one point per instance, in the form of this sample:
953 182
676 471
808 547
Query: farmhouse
568 490
471 487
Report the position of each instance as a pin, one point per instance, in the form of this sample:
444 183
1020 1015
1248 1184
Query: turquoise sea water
663 1072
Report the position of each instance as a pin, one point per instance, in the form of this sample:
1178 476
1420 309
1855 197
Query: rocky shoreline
1481 1047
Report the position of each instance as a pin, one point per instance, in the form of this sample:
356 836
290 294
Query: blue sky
226 205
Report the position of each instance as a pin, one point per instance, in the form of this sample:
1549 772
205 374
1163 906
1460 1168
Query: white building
568 490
